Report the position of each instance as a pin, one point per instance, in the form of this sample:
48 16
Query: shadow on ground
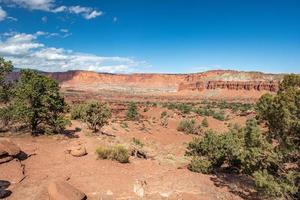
240 185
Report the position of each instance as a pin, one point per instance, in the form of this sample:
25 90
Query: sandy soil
163 176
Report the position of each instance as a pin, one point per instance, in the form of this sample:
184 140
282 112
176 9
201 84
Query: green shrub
204 122
188 126
78 111
184 108
272 187
5 86
181 107
200 165
132 112
204 111
6 116
219 116
245 149
96 115
38 104
117 152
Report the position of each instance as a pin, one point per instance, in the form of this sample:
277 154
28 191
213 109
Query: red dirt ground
164 175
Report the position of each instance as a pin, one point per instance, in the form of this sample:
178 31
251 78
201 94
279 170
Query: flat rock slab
8 147
62 190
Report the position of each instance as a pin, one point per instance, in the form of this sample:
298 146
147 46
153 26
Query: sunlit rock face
219 84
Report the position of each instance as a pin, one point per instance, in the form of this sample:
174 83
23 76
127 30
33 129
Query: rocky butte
216 84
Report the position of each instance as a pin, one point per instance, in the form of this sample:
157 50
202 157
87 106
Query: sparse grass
118 153
137 142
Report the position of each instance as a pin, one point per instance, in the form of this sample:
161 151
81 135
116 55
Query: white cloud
45 5
2 14
19 44
26 52
59 9
12 18
64 30
86 12
93 14
51 6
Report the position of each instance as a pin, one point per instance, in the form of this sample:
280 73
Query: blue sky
169 36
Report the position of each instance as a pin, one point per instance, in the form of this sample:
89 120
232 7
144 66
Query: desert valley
154 117
149 100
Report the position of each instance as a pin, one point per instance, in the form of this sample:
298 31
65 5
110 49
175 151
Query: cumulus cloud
51 6
26 52
18 45
2 14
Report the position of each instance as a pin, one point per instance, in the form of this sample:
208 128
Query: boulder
78 151
7 146
62 190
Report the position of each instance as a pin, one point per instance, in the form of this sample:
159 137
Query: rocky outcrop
62 190
218 79
76 149
82 85
8 150
271 86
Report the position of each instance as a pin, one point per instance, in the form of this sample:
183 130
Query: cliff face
211 80
271 86
223 84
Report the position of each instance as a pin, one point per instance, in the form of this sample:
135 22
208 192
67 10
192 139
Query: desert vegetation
189 126
271 158
94 114
34 102
258 141
117 152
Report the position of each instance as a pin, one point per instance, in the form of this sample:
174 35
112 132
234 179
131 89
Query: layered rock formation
198 85
219 79
271 86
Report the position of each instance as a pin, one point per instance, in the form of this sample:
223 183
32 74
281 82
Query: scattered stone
139 188
138 153
62 190
9 147
3 189
78 151
4 193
